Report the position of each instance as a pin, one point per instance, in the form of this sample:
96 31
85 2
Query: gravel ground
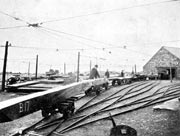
146 121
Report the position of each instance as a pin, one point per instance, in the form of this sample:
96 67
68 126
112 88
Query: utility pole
4 66
64 68
90 65
36 66
29 69
78 67
170 72
135 68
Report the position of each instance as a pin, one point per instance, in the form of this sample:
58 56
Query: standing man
94 73
107 74
122 73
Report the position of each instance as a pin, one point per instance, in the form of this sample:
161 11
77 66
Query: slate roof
173 50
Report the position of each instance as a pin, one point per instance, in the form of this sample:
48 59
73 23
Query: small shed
164 62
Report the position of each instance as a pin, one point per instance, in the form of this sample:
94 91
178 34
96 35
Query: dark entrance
164 73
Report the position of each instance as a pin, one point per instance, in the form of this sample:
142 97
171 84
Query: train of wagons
56 100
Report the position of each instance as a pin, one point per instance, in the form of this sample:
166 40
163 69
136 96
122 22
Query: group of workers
95 74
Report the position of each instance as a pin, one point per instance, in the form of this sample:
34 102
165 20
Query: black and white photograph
89 68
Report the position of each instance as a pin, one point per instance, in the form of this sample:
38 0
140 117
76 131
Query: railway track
86 100
94 108
99 108
105 97
135 105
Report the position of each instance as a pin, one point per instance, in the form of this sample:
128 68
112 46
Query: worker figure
122 73
107 74
94 73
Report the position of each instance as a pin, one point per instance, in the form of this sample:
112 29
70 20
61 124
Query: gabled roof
173 50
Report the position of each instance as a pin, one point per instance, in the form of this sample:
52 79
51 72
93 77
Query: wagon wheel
88 92
119 82
105 86
68 113
113 83
45 113
98 89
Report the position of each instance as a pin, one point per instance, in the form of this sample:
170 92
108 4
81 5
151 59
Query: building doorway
164 73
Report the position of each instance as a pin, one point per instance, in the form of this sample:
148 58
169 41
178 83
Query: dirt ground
146 121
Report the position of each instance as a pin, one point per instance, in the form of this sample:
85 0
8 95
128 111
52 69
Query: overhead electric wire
16 18
150 43
33 47
52 33
107 11
85 38
77 36
19 59
13 27
80 49
23 59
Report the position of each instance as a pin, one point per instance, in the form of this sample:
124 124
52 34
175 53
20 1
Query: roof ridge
173 50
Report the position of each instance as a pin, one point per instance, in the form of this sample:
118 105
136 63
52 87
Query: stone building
163 63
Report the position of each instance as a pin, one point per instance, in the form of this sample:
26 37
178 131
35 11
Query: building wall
162 58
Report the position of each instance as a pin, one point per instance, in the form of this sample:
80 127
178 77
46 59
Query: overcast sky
115 34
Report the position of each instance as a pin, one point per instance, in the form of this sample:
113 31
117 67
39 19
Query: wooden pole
170 73
90 65
135 69
64 68
78 67
4 66
29 69
36 66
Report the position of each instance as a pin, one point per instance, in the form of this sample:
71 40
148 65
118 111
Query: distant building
165 59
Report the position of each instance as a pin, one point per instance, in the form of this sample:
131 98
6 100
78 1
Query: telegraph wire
23 59
52 33
107 11
33 47
13 27
16 18
77 36
108 45
170 41
103 48
55 49
85 38
20 59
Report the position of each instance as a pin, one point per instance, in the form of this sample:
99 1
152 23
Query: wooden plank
44 85
52 81
120 78
24 105
23 84
34 88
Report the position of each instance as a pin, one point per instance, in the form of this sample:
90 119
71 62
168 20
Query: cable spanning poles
80 16
84 38
107 11
13 27
58 35
19 19
15 18
57 32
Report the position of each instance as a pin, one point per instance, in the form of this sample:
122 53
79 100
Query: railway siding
119 101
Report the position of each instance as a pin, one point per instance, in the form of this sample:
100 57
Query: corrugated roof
174 50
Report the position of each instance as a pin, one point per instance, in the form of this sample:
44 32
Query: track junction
117 100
